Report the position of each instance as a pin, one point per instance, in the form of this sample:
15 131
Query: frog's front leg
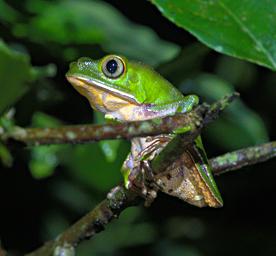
135 176
136 170
139 181
136 166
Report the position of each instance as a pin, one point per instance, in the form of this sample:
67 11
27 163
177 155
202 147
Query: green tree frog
130 91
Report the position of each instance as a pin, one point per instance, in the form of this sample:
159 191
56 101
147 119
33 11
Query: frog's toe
144 191
127 184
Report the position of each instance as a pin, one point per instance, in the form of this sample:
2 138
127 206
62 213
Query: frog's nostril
83 61
72 64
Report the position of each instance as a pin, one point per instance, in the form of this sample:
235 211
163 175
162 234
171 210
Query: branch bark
120 198
110 208
237 159
196 119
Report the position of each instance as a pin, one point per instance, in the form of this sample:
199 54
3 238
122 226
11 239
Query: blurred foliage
14 86
82 22
43 159
244 30
50 187
129 230
5 156
238 118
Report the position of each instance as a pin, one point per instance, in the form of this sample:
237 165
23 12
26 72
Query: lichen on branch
110 208
120 198
196 119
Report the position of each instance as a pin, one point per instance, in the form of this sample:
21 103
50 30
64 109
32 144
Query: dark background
34 210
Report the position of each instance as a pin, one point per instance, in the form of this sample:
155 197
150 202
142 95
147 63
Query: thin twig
237 159
179 143
90 133
110 208
120 198
92 223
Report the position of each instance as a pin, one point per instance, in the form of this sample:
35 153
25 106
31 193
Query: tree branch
92 223
237 159
188 126
110 208
179 143
90 133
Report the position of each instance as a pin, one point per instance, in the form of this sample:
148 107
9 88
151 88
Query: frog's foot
148 193
140 181
151 195
161 138
150 190
157 143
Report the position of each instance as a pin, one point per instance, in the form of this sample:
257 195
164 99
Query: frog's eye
113 67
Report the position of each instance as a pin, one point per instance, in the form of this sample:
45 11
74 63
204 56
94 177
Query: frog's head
107 75
113 84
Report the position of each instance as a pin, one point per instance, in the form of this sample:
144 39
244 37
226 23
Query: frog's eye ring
113 66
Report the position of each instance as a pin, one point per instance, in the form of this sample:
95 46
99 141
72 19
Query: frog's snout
72 64
83 61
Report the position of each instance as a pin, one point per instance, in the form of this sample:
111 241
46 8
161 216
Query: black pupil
112 66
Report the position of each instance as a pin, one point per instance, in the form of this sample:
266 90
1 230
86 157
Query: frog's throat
116 104
83 82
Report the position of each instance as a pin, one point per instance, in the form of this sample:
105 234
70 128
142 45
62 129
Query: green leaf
94 22
187 64
88 163
243 74
7 122
109 147
97 165
7 13
83 22
5 156
15 73
42 120
244 29
44 159
238 126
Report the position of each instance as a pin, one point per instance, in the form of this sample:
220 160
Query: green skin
139 93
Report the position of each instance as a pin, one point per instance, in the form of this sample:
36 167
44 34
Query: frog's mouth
83 84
